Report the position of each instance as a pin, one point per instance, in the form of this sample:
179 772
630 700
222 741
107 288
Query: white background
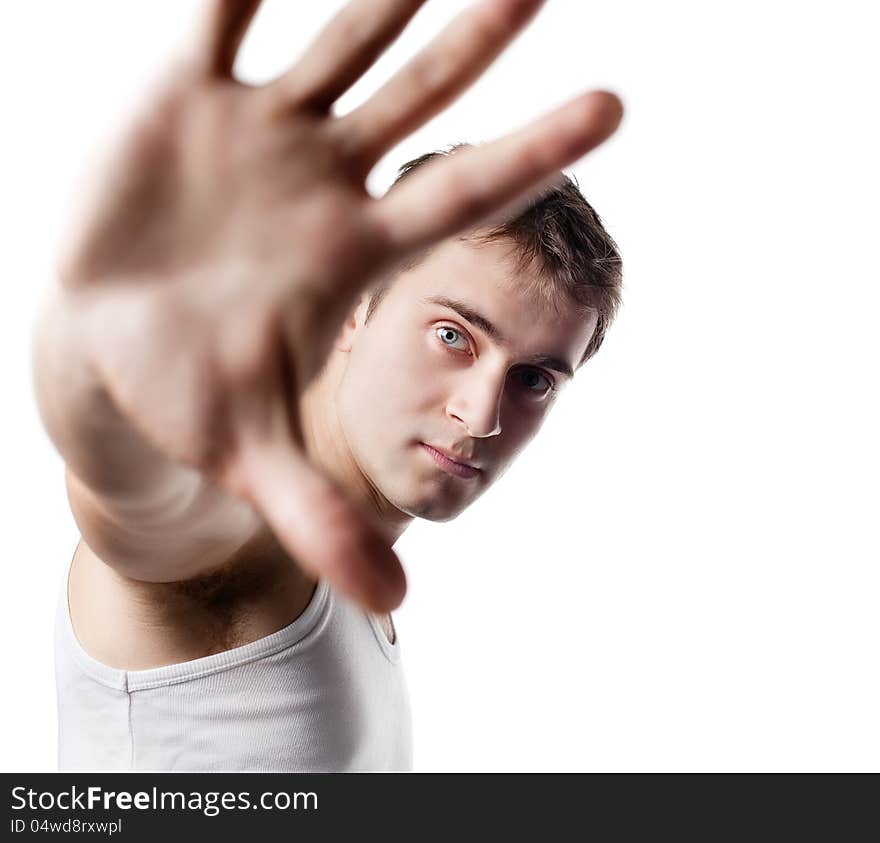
681 573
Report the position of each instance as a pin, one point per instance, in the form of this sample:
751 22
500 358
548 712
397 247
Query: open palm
231 231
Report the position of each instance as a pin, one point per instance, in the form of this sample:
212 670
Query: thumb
319 527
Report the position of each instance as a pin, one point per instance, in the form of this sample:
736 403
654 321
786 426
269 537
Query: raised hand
230 232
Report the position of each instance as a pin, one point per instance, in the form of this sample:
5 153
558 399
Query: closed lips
449 464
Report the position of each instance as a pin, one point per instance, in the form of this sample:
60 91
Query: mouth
450 465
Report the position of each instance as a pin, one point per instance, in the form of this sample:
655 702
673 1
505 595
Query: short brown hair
561 234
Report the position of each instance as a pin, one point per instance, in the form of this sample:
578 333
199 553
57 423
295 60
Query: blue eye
535 382
452 338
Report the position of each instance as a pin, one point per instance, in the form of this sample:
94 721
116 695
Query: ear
354 322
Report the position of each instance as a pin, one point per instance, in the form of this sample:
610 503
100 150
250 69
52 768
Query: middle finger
434 77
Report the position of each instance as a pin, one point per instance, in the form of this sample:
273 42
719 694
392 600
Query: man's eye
535 382
452 338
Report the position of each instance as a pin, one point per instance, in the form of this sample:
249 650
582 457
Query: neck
327 447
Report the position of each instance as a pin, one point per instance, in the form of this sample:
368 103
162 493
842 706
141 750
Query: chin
432 510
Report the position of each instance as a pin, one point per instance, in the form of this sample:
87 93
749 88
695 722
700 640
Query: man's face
452 375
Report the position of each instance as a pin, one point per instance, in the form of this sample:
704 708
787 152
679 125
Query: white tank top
324 694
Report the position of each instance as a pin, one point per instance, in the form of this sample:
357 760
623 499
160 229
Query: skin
418 371
202 285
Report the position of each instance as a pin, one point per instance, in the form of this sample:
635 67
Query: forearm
154 517
97 443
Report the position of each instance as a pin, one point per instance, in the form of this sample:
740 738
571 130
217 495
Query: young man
245 438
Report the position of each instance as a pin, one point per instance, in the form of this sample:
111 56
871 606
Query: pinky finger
217 34
479 182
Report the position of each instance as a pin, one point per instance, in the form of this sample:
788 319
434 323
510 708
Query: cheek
391 375
519 427
415 372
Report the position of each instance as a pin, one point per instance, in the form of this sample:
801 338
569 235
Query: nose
476 405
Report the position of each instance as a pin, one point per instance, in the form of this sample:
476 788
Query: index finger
477 182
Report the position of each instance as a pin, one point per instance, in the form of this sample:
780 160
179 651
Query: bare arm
149 516
206 276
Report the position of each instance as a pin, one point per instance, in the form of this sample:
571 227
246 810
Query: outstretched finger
318 526
220 29
436 76
346 48
479 182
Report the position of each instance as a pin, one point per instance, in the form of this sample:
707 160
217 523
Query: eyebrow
553 363
466 312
